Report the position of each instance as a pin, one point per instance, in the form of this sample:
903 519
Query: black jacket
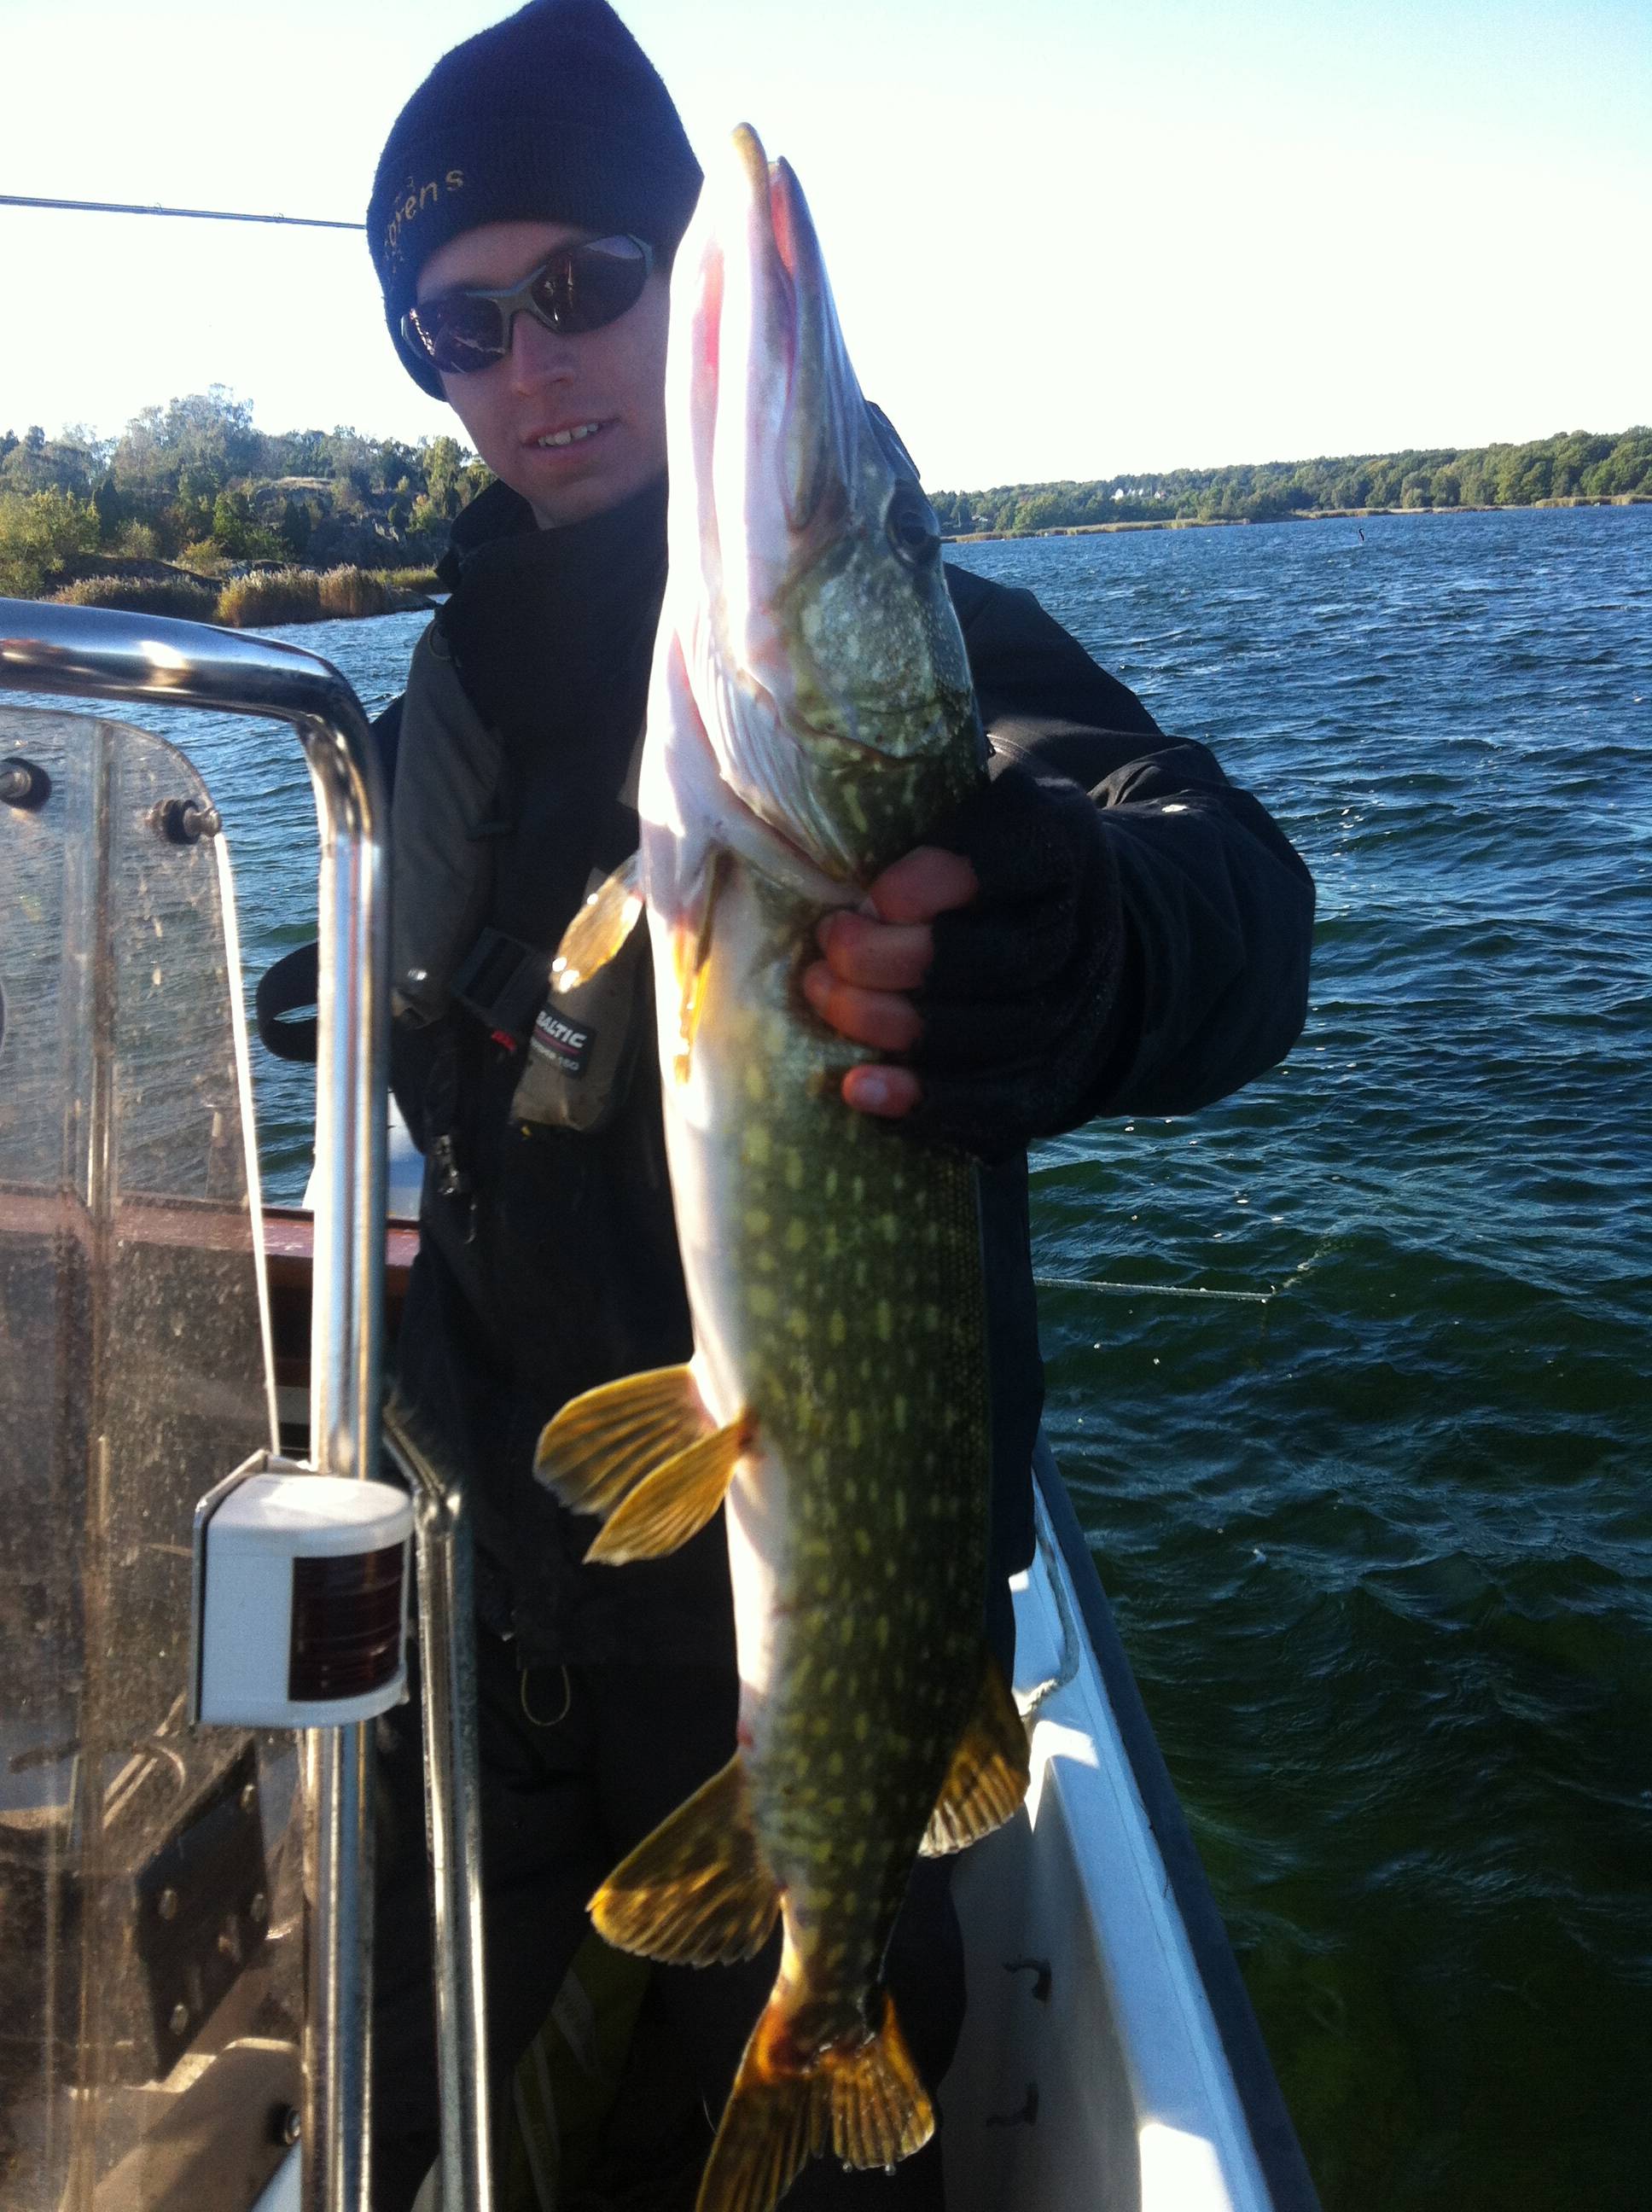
550 1262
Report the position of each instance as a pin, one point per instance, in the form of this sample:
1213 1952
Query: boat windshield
150 1895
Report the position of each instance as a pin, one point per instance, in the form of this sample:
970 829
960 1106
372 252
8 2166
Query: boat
184 1908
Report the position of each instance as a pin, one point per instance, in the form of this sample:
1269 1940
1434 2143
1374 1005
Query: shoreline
265 598
1298 514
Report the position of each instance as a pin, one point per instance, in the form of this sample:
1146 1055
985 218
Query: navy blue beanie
555 115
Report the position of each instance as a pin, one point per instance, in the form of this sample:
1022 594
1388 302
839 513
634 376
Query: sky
1068 238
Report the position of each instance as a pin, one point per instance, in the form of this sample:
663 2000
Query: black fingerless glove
1018 1006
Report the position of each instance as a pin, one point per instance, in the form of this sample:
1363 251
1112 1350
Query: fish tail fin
861 2097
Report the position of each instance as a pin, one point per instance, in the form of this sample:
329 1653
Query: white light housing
302 1597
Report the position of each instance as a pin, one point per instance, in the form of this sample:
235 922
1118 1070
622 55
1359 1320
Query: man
1111 927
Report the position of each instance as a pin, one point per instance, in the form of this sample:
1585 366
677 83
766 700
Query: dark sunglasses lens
460 333
590 286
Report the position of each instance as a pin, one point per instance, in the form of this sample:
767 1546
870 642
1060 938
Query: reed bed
143 595
270 598
266 600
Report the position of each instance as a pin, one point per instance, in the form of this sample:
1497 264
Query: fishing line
200 214
1151 1290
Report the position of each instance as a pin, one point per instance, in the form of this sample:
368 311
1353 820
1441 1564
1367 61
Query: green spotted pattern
854 1266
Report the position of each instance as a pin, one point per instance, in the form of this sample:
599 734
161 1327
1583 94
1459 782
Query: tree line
1581 465
196 483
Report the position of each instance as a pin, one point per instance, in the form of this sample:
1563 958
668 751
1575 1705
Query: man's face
608 384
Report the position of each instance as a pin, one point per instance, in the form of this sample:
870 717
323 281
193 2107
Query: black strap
288 988
503 983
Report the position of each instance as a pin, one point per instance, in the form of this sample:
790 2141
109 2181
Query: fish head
824 655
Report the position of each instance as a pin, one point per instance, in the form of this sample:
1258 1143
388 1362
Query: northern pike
810 715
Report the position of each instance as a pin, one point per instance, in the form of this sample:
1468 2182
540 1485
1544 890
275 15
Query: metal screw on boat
249 1796
181 822
258 1911
23 782
1026 2118
1040 1971
179 2020
166 1905
288 2126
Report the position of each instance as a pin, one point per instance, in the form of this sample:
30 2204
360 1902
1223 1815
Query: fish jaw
806 589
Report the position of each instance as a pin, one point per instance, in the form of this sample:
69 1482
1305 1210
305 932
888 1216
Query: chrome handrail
101 654
445 1585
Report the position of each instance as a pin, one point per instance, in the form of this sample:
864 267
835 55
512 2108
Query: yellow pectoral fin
988 1779
696 1892
674 1502
691 959
604 1443
600 927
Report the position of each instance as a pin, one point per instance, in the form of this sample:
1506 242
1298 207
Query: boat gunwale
1273 2136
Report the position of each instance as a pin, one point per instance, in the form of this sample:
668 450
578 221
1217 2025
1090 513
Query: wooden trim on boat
290 1258
1277 2151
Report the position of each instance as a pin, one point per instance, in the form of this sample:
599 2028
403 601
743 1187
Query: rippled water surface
1349 1376
1380 1545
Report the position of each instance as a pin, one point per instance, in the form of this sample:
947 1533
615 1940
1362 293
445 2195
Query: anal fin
988 1779
697 1892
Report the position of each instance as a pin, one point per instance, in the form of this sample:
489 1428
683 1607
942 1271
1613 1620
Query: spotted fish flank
810 715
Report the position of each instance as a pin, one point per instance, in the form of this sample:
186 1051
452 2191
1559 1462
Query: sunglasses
578 289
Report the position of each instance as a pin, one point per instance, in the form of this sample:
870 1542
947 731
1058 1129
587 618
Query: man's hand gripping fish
810 715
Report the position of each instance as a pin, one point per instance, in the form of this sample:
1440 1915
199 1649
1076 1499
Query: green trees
71 462
39 531
237 531
1044 510
198 481
191 449
297 526
1577 464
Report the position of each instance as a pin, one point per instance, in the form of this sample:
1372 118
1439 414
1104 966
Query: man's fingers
876 955
880 1018
888 1092
880 954
922 883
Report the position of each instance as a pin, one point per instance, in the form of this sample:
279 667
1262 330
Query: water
1377 1533
1381 1547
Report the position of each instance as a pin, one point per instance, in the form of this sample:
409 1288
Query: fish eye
913 530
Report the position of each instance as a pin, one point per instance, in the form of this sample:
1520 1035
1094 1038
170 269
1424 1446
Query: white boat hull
1110 2057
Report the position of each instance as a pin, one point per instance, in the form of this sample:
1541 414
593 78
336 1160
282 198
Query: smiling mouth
572 436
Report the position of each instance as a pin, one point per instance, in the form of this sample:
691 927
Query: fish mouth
815 654
822 409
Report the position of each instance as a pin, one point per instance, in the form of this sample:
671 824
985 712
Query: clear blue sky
1068 237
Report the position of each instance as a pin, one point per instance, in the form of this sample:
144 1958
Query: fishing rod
198 214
